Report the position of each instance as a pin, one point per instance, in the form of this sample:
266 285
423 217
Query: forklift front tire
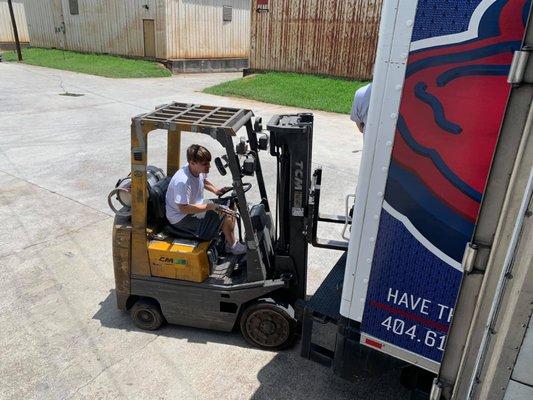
146 315
268 326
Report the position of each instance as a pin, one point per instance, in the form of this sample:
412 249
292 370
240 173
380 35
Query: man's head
199 159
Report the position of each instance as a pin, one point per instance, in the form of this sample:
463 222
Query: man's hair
198 153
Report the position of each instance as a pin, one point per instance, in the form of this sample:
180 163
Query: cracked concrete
61 335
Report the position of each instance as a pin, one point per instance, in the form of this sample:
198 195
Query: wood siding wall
6 28
102 26
330 37
196 29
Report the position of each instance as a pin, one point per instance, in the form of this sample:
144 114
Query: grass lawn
291 89
94 64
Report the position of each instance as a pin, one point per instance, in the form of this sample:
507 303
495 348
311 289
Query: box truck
437 275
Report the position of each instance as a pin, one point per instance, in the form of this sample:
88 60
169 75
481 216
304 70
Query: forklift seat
170 230
157 214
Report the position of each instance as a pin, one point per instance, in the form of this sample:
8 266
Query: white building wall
196 29
6 28
111 26
189 29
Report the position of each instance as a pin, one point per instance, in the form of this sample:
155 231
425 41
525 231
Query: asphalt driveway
64 142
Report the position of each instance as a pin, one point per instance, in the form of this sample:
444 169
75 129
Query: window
73 7
227 13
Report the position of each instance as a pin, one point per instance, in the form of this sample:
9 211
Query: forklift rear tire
146 315
268 326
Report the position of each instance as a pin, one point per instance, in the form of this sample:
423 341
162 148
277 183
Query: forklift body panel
208 306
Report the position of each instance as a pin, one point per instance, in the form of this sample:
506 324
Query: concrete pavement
61 335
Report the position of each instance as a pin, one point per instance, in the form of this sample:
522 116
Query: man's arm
210 187
196 208
354 114
213 189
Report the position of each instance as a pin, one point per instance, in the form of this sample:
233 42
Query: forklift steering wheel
246 186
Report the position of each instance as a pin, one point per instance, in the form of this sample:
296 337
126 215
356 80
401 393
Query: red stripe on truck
373 343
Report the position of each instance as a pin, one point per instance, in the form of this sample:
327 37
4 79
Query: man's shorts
203 226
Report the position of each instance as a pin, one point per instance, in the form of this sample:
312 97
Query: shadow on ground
287 376
111 317
291 377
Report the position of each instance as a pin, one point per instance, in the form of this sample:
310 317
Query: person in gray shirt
361 101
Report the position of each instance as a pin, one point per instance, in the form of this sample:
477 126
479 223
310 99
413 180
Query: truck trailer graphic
445 72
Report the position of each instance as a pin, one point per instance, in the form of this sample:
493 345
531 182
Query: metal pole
15 31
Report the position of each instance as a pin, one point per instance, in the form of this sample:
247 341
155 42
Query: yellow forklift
163 275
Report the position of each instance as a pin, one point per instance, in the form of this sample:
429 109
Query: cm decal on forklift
178 261
444 86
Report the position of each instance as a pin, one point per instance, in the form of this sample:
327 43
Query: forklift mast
291 138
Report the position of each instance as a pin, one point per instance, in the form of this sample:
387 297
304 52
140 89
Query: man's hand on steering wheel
223 191
233 195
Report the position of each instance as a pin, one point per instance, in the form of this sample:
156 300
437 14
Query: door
149 37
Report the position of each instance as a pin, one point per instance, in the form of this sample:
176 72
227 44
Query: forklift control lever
262 141
258 124
248 166
241 148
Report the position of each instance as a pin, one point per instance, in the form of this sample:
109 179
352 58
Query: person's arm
182 198
210 187
196 208
213 189
354 113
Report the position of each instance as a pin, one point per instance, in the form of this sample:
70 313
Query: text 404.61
429 338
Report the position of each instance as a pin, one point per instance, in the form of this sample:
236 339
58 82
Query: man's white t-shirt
184 188
361 102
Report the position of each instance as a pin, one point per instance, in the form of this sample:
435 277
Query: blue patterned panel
442 17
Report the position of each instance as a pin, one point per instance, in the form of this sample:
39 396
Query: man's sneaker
237 248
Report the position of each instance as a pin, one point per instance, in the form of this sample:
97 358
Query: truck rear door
438 97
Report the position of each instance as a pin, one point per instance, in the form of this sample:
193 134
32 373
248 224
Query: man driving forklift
165 274
185 207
